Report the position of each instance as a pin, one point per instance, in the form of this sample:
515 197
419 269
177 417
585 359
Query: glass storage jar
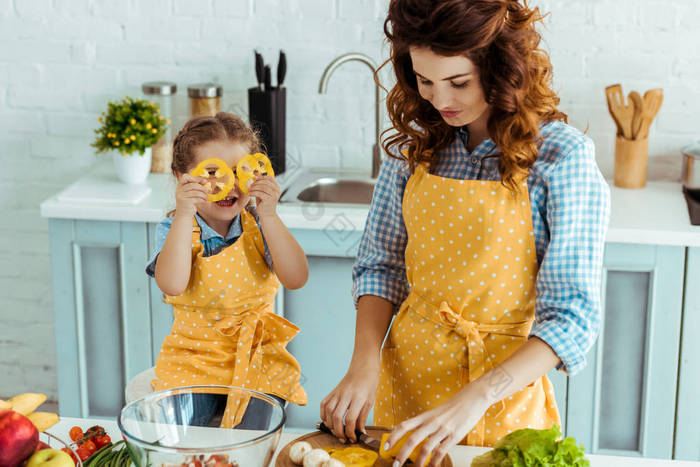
163 94
205 98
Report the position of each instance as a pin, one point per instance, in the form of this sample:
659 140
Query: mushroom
333 463
315 458
298 450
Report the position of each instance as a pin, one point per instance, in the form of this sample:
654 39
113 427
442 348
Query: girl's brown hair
199 130
499 37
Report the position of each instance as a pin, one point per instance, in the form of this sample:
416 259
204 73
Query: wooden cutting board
324 440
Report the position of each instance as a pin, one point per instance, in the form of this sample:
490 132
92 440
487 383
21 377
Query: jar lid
205 90
159 88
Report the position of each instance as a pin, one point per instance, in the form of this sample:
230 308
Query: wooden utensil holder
631 158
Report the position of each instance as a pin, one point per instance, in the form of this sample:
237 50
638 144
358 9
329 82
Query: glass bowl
185 426
54 442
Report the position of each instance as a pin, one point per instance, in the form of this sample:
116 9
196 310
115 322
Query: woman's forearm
175 259
288 258
373 318
532 360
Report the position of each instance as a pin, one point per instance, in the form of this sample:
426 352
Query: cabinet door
688 412
623 402
161 312
101 309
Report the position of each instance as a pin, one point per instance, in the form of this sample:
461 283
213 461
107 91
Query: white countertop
655 215
461 455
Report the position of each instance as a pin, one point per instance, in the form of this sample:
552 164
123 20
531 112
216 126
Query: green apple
50 458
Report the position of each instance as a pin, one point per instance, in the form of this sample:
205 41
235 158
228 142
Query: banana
43 420
5 405
27 403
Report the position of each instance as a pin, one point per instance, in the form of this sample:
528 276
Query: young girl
218 265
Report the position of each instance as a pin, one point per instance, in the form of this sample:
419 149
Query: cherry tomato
76 433
90 446
70 453
101 441
82 452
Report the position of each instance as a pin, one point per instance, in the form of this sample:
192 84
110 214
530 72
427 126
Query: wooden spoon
653 99
636 99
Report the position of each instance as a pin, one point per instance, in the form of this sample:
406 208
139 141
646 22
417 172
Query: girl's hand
189 194
441 428
267 191
346 407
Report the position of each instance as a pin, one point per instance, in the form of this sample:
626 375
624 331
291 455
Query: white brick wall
61 60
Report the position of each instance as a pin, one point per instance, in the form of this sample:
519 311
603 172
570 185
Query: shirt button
475 160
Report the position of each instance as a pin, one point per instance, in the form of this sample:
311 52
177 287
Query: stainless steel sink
329 187
332 190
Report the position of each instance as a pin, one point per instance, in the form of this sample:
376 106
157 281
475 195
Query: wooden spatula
653 99
611 93
638 102
622 112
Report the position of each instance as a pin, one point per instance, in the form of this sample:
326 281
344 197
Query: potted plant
128 130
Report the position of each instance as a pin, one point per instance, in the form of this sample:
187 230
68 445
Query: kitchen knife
365 440
259 69
268 78
281 69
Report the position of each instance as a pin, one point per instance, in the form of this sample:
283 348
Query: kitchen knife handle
281 69
259 68
268 78
323 428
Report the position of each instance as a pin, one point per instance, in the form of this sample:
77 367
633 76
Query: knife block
631 159
267 115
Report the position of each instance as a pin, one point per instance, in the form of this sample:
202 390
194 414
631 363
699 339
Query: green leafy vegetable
530 447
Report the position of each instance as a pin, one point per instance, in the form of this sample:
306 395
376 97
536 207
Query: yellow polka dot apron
225 331
471 266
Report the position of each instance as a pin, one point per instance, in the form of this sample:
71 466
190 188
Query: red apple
18 438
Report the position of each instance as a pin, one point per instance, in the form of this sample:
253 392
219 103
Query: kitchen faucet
323 85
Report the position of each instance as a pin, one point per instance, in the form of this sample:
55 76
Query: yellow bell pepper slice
250 166
223 178
391 454
353 456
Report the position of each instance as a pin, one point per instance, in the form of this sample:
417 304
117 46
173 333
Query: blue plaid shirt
570 204
212 242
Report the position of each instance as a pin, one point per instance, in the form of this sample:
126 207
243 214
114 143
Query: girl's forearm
288 258
175 259
532 360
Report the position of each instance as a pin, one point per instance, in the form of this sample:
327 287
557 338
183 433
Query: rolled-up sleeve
380 268
162 230
568 301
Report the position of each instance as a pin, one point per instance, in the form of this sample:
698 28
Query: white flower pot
134 168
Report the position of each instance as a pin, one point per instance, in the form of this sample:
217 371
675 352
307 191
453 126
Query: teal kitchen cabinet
623 402
687 442
101 312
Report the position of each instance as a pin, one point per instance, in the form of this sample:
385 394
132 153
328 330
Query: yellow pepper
223 172
394 451
353 456
250 166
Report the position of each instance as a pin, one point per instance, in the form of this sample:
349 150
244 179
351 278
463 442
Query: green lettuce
530 447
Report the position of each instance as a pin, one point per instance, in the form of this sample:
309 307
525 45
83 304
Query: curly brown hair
199 130
500 38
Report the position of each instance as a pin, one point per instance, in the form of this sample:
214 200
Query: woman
485 237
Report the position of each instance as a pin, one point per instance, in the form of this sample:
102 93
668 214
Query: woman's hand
347 406
189 194
267 191
441 428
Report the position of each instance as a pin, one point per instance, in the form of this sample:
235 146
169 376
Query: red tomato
76 433
90 446
101 441
82 452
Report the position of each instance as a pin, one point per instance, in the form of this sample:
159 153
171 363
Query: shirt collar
482 149
208 233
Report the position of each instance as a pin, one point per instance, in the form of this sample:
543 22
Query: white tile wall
61 60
